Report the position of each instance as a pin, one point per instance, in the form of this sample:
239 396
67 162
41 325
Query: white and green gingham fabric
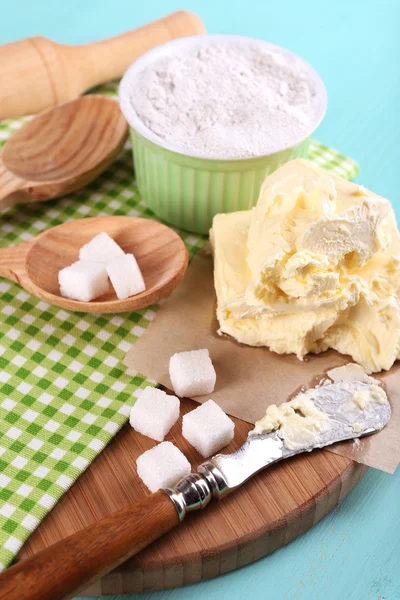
64 392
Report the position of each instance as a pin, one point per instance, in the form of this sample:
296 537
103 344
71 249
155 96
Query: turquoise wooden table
353 554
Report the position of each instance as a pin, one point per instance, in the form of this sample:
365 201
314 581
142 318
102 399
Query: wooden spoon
160 252
61 150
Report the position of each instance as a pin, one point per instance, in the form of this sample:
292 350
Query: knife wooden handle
63 570
37 73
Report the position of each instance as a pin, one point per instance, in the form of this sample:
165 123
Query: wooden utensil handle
69 566
12 261
37 73
9 185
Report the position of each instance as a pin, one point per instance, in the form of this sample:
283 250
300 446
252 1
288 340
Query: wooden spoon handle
10 185
64 569
37 73
12 261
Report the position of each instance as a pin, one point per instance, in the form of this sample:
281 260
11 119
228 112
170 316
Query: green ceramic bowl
187 191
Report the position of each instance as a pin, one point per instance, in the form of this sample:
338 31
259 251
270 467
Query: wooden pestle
37 73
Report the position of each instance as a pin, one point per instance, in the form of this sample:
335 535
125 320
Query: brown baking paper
249 379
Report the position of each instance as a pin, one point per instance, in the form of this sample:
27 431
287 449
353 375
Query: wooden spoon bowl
160 252
61 150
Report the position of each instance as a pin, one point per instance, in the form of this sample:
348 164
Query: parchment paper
249 379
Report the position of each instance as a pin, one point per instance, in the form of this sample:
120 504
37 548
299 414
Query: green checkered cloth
64 392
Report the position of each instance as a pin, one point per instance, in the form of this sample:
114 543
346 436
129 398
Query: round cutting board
274 507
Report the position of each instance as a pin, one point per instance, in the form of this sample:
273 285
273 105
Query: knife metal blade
223 473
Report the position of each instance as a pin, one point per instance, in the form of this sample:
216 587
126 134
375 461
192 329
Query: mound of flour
227 101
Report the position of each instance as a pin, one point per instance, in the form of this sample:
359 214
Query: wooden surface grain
265 514
352 554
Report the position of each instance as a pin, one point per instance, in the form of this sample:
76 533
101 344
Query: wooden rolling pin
37 73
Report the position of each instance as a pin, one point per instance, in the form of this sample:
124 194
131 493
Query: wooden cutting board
270 510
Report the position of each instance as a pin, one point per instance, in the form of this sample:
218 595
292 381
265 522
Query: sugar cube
192 373
125 275
83 281
101 248
207 428
162 466
154 413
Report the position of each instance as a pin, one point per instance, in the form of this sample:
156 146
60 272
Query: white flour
227 101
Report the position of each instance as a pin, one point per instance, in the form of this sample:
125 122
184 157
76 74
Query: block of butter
315 265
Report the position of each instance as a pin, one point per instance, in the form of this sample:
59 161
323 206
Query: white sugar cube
125 275
192 373
101 249
154 413
162 466
207 428
83 281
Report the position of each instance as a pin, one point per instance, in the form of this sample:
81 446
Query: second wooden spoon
160 252
61 150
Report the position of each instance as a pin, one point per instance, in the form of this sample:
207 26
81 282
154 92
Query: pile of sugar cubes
207 428
99 260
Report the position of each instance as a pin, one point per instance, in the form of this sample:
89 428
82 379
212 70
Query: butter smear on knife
306 418
315 265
